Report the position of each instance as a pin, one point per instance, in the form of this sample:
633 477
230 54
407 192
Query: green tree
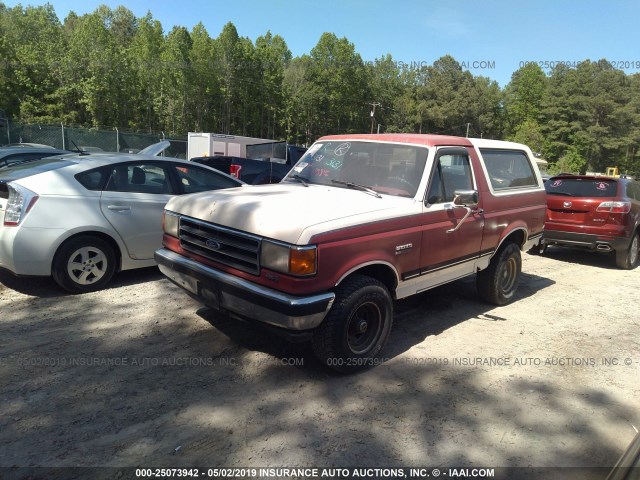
524 96
570 162
204 88
172 102
273 56
147 45
338 81
32 43
386 87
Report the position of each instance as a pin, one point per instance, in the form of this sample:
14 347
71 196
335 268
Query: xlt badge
402 248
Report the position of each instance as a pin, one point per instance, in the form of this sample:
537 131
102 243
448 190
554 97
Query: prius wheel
84 264
629 258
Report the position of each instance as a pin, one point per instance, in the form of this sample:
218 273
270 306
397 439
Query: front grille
229 247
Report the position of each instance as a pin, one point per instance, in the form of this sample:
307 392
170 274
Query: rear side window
633 190
93 179
581 187
142 177
508 169
194 179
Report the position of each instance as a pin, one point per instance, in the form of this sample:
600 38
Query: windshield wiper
358 187
302 180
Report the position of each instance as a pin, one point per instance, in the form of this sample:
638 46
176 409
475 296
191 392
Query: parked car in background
257 170
83 217
595 213
20 153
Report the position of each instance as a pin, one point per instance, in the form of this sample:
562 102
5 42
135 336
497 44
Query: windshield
392 169
581 187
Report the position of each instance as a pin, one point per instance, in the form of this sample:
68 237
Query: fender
361 266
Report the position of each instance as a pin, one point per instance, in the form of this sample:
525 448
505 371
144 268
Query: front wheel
84 264
629 258
498 283
357 327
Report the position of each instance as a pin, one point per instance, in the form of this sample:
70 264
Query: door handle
119 208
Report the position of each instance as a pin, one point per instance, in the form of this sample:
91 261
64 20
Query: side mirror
465 198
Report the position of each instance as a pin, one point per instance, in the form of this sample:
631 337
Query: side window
139 178
452 172
509 169
93 179
195 179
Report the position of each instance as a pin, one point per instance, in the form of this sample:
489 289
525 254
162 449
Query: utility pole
373 113
468 129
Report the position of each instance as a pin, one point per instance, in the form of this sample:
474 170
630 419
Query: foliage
111 68
571 162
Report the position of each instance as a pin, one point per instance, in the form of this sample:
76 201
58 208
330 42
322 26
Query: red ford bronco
359 221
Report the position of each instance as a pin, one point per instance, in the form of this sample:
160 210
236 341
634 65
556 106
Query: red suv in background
596 213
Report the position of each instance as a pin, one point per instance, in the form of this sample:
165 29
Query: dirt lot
141 375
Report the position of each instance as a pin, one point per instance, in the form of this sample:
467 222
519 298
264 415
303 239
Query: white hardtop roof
485 143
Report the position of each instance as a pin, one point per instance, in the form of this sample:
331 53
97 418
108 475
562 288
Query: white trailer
211 144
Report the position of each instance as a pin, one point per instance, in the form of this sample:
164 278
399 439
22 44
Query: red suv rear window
582 187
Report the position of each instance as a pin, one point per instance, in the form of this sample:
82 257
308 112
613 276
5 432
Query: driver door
449 249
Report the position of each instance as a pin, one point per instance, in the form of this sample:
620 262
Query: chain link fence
89 139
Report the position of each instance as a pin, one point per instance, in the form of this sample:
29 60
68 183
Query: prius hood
289 213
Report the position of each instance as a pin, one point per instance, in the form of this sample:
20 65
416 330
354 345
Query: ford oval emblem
212 244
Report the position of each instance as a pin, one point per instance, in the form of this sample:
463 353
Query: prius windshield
392 169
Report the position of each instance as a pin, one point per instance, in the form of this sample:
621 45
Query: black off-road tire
629 258
83 264
497 284
357 326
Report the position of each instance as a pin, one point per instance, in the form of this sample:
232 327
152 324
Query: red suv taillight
614 207
234 171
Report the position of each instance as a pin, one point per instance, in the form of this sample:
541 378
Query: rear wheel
498 283
629 258
357 327
84 264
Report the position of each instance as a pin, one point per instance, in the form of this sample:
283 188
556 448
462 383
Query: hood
290 213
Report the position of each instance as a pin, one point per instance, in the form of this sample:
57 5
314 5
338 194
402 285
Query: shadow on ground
95 381
583 257
45 287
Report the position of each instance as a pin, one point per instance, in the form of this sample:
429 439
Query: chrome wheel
87 265
84 264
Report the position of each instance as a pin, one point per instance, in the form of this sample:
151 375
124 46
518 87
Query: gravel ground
141 375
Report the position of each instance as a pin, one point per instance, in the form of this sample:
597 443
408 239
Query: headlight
170 223
289 259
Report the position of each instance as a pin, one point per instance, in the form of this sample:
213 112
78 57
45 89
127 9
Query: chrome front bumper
222 291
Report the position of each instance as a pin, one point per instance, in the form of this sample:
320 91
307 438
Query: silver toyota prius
80 218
